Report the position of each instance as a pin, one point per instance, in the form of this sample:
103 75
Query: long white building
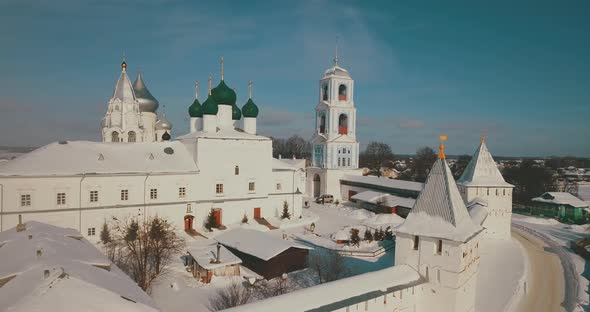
221 165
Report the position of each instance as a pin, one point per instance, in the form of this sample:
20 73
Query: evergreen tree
211 221
286 214
245 219
378 236
105 234
388 233
368 236
355 239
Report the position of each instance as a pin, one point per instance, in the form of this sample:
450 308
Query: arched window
117 107
342 92
237 170
322 123
131 136
115 136
343 124
325 92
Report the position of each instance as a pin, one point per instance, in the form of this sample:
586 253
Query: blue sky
517 71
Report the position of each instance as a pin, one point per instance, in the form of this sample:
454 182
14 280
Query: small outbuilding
384 203
561 205
214 259
265 254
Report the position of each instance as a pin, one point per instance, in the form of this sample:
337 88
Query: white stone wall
499 199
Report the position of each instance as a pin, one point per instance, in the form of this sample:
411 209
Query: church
222 166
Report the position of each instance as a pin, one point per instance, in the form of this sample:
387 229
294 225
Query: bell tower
334 145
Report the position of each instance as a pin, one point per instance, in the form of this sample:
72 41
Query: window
439 247
343 124
25 200
93 196
189 208
342 92
325 92
91 231
153 193
339 161
115 136
219 188
348 160
251 187
61 198
237 170
279 187
182 192
322 123
124 194
504 191
416 242
131 137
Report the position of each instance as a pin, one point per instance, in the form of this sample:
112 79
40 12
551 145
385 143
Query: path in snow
546 286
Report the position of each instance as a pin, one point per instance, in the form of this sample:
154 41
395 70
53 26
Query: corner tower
334 146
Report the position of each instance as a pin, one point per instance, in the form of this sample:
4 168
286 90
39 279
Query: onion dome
236 114
195 110
223 95
250 109
147 102
166 136
163 123
210 106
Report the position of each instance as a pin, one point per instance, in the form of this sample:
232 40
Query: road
569 286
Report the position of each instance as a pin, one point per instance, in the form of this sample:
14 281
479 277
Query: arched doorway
316 185
188 222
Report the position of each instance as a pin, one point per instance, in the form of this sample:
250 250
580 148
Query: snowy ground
179 291
557 236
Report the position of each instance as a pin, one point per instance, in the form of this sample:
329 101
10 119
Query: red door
217 213
188 223
257 213
393 209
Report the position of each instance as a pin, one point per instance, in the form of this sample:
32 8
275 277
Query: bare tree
425 158
375 156
275 287
143 249
328 265
230 296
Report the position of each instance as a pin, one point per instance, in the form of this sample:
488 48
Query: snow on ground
562 234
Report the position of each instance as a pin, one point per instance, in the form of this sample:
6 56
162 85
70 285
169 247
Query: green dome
223 95
210 106
195 110
250 109
236 114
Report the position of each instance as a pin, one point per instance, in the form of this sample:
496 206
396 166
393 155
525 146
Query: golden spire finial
483 138
222 67
441 154
196 89
210 81
124 64
250 88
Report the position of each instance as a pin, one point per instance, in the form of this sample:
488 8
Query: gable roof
204 254
482 170
561 198
255 243
385 182
439 210
81 157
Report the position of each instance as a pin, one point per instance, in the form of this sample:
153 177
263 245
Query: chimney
217 260
20 226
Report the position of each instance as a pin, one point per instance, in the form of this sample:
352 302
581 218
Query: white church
221 165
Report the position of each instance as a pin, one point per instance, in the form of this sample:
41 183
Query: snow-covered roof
478 210
384 199
383 220
298 163
561 198
385 182
282 164
320 297
81 157
482 170
256 243
76 280
204 255
584 191
439 210
223 134
123 89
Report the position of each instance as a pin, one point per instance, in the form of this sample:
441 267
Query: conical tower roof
439 211
482 170
147 102
123 89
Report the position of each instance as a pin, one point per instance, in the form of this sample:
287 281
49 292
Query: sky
516 71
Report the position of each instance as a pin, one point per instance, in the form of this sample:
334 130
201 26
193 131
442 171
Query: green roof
223 95
210 106
250 109
195 110
236 114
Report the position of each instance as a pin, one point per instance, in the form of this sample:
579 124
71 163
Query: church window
115 136
61 198
325 92
25 200
219 188
237 170
348 161
153 193
124 194
131 136
416 242
117 107
182 192
93 196
322 123
439 247
343 124
342 92
251 187
91 231
339 161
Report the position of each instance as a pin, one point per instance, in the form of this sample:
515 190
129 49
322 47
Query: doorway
217 214
188 222
316 185
257 213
